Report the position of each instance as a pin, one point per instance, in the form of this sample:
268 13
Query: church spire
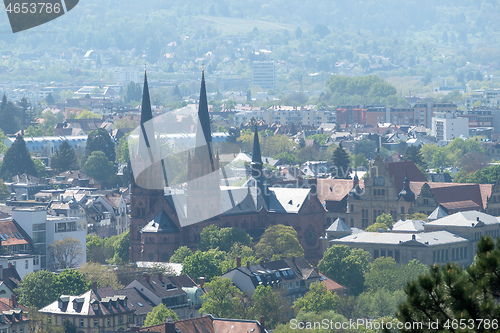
256 156
204 134
146 112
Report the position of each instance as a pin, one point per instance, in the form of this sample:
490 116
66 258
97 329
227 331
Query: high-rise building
264 75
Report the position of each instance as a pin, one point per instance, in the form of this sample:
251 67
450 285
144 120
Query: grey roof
136 300
338 226
162 223
469 218
395 238
438 213
409 226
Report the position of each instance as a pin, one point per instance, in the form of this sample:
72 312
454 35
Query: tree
64 158
17 160
65 253
133 93
37 289
120 245
449 294
180 254
96 250
98 166
385 273
341 162
279 240
159 314
222 299
204 264
102 275
213 237
269 303
346 266
100 140
86 114
71 282
414 154
383 221
317 299
8 116
41 169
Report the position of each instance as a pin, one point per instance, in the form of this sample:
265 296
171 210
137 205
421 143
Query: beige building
428 248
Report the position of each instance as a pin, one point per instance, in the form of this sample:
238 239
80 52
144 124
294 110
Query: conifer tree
341 162
17 160
64 158
448 295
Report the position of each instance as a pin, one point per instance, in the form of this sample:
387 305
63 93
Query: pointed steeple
146 112
256 156
204 134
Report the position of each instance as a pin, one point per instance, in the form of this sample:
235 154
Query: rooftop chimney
262 323
13 300
160 277
202 281
238 262
248 264
147 277
94 286
170 327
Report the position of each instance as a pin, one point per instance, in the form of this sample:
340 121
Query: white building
45 146
264 75
446 126
44 230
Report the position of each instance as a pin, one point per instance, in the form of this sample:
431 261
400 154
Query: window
375 254
120 320
96 323
26 264
352 209
382 253
81 322
109 322
397 256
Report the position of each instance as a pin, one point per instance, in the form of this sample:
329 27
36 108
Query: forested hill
126 24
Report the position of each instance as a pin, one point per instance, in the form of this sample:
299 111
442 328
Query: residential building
46 229
293 275
446 126
91 312
351 114
206 324
13 316
9 281
423 112
178 293
264 75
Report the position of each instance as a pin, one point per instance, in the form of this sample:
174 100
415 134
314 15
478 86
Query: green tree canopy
317 299
223 298
17 160
37 289
213 237
279 240
104 276
100 140
159 314
64 158
98 166
346 266
71 282
180 254
204 264
383 221
270 304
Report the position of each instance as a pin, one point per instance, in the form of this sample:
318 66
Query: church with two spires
156 230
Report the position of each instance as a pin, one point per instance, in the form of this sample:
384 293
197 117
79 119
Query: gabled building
13 317
206 324
91 312
294 275
178 293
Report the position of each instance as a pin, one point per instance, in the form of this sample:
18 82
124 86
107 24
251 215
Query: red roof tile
399 170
